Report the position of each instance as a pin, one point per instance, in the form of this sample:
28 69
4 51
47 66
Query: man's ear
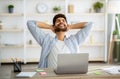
53 29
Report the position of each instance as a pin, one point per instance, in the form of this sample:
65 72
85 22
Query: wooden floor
5 69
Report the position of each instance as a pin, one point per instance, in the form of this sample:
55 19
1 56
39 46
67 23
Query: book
26 74
112 70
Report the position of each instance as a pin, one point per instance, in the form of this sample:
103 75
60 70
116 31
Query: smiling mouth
61 25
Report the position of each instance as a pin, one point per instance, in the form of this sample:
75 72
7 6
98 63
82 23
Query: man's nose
61 21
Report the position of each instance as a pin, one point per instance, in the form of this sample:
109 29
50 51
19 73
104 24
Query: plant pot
98 10
115 37
11 10
56 11
0 24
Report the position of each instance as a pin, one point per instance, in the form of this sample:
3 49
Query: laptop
72 63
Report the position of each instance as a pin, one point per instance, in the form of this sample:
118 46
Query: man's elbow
31 23
90 23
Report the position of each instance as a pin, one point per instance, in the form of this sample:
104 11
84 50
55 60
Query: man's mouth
61 25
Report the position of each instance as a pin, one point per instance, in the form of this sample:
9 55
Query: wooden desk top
51 75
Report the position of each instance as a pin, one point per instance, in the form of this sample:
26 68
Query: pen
16 64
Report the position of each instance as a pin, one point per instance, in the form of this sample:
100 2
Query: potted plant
115 34
56 8
97 6
0 24
10 8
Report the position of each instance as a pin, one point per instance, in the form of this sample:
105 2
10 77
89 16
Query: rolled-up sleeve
37 33
81 35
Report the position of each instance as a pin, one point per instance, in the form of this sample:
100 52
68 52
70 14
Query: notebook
26 74
72 63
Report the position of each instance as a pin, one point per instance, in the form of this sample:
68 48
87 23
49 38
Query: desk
51 75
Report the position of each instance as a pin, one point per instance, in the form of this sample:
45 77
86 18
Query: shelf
100 30
102 45
72 14
37 60
40 14
32 60
10 61
45 30
117 40
11 30
97 14
11 46
36 45
94 30
96 59
33 45
11 14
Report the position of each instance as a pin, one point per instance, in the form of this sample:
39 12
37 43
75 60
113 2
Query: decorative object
16 65
70 8
56 9
91 39
42 8
90 10
10 8
97 6
115 34
0 24
30 42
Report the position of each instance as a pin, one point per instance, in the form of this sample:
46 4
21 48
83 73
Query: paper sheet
26 74
112 70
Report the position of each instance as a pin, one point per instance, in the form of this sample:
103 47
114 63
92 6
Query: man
51 46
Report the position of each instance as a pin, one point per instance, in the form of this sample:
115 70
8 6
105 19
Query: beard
59 29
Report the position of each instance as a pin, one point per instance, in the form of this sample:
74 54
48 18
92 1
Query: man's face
60 25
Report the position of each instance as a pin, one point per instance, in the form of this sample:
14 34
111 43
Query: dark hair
57 16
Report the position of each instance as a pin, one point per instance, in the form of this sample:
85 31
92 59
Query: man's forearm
43 25
78 25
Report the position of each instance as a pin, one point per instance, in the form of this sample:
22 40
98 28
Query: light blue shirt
46 41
